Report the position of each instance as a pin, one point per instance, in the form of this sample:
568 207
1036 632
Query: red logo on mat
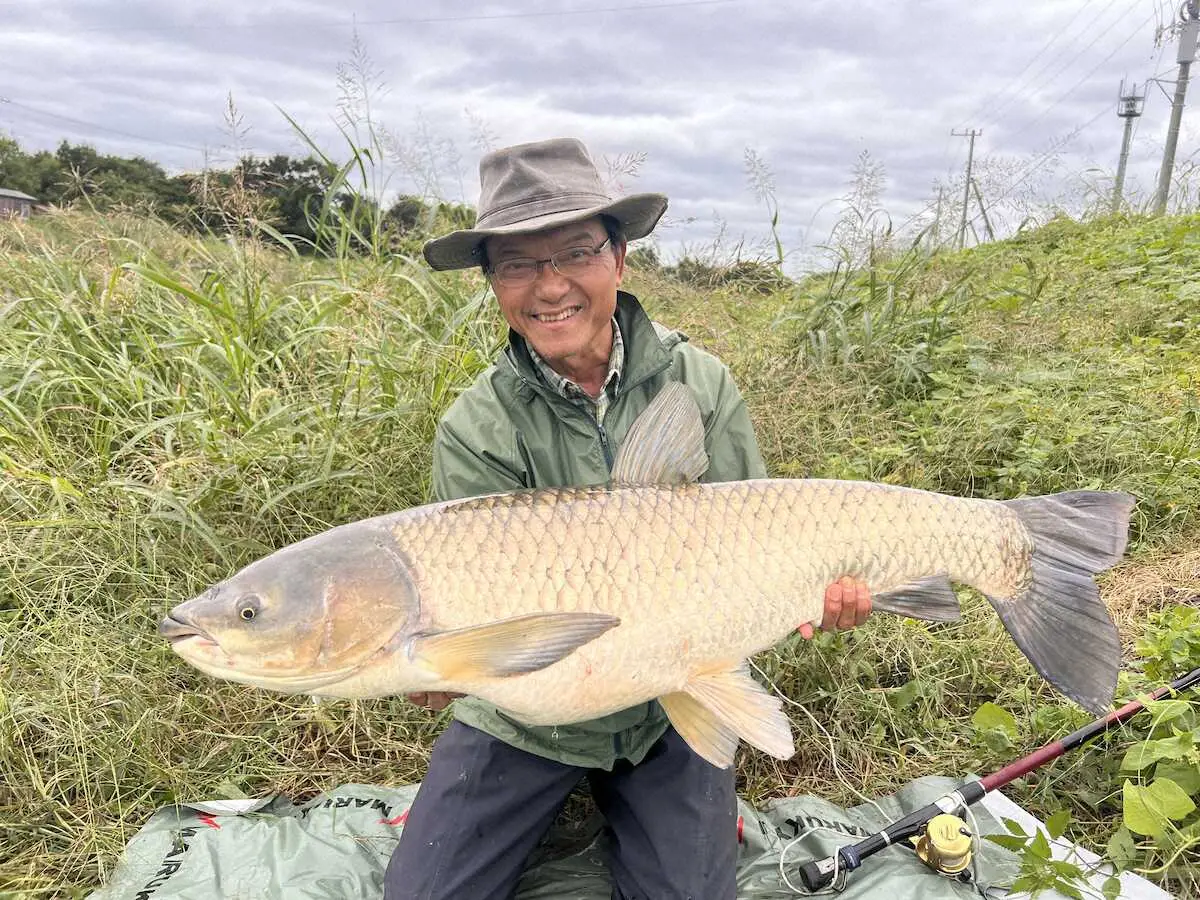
208 820
398 820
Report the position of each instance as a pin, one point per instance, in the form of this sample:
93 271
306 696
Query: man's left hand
847 605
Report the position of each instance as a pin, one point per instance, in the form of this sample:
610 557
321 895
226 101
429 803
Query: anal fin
931 598
508 647
704 733
720 706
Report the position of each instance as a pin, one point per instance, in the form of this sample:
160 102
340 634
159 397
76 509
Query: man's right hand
434 700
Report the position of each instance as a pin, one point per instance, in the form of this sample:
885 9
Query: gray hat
530 187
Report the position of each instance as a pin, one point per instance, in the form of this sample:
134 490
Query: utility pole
1189 14
983 211
972 134
1129 107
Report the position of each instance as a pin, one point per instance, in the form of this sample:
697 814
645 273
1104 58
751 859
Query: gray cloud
807 85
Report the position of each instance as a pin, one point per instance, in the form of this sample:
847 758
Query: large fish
566 604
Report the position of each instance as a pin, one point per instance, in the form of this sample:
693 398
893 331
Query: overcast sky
807 85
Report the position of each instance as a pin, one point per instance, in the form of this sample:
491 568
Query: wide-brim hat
531 187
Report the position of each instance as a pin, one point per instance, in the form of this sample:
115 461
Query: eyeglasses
525 270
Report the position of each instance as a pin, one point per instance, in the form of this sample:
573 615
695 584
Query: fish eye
248 608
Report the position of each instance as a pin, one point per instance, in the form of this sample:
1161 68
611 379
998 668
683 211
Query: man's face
566 319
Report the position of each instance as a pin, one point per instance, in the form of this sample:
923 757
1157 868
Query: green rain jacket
511 430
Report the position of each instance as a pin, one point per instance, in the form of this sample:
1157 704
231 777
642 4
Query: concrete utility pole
983 211
972 134
1129 107
1189 14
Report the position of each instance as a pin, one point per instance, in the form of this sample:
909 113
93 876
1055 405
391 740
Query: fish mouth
178 630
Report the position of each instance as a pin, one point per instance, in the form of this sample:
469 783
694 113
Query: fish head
303 618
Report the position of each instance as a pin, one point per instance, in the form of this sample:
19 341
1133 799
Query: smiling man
583 360
566 318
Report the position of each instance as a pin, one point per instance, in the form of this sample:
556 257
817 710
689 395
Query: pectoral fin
718 707
931 599
509 647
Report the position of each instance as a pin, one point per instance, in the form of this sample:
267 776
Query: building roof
17 195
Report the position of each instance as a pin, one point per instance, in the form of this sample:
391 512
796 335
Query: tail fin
1058 619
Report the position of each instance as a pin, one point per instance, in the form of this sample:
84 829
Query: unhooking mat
337 845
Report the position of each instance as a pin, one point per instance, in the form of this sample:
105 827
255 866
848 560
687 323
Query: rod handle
820 873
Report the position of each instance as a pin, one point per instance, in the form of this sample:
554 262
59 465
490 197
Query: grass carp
561 605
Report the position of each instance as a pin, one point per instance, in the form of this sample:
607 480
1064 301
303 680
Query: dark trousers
484 806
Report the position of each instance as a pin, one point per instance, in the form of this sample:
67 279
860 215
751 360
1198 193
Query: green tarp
337 845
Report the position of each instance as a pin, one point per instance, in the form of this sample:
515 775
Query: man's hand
436 700
847 604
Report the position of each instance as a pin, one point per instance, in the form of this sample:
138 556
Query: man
583 361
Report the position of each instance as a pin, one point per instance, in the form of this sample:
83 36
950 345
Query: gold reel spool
946 845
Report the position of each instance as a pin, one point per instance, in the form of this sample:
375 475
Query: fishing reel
943 842
945 846
941 839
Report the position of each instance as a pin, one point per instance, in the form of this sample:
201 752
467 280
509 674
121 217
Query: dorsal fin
665 444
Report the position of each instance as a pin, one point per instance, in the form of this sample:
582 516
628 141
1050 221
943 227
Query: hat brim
637 214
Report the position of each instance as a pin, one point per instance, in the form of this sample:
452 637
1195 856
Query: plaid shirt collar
569 390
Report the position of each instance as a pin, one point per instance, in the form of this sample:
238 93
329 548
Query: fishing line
818 873
976 841
832 743
835 889
976 851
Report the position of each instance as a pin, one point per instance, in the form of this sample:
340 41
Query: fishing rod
946 845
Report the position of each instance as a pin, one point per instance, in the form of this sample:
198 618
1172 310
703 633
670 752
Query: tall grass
172 408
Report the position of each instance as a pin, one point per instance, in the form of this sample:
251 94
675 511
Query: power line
1022 177
1038 163
1117 21
1082 80
97 126
1037 79
1028 172
932 204
1189 34
1045 47
1159 72
1162 51
425 20
555 12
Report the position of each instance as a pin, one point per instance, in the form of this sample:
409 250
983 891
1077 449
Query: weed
173 407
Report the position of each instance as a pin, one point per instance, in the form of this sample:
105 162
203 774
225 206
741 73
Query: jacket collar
645 355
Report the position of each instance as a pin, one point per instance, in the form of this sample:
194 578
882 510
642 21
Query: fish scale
750 557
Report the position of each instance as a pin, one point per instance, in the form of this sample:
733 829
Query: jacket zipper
608 457
554 398
625 388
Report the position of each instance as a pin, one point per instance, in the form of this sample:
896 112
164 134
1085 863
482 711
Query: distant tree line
287 193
